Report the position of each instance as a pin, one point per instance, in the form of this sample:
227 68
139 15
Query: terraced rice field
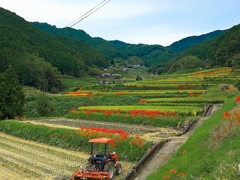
22 159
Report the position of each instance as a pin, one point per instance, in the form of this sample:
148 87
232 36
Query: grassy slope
199 159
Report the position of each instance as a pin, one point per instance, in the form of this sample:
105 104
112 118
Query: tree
186 62
236 61
12 97
39 73
44 105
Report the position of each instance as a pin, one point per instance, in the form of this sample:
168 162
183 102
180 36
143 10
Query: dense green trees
187 62
19 37
11 95
150 54
39 73
187 42
221 51
75 53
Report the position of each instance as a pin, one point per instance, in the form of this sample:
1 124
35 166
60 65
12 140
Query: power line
91 11
73 23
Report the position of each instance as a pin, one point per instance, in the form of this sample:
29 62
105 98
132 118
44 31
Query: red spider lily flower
93 110
88 112
120 93
172 171
132 141
126 116
124 135
107 113
64 136
16 117
184 152
118 111
166 176
140 143
191 93
88 94
142 101
137 137
226 115
238 99
170 112
52 136
181 175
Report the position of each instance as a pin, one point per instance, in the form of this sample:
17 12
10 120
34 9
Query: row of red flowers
24 117
133 113
120 132
149 113
212 72
93 132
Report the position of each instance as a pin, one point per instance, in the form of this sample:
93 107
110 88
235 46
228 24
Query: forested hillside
149 54
41 52
221 51
187 42
39 57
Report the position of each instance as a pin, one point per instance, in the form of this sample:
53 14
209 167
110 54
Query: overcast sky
133 21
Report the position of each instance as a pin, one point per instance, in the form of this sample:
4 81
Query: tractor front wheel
109 167
118 169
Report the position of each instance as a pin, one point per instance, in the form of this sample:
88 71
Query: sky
159 22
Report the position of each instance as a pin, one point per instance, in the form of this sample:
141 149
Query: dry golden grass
26 160
229 126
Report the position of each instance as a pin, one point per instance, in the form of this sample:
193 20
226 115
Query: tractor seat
100 155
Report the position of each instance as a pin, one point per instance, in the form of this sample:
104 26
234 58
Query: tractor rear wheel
118 169
109 167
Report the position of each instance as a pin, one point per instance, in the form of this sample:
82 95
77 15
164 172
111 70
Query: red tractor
99 166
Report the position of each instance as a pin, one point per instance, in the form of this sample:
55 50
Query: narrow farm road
160 157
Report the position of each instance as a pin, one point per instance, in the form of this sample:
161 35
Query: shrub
44 105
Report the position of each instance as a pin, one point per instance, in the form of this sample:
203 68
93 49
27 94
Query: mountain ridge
76 53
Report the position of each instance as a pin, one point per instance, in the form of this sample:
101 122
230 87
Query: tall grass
198 159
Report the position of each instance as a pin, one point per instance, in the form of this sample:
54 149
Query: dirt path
165 153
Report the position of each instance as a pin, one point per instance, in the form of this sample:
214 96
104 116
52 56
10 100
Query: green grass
200 159
188 100
74 83
185 110
74 139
